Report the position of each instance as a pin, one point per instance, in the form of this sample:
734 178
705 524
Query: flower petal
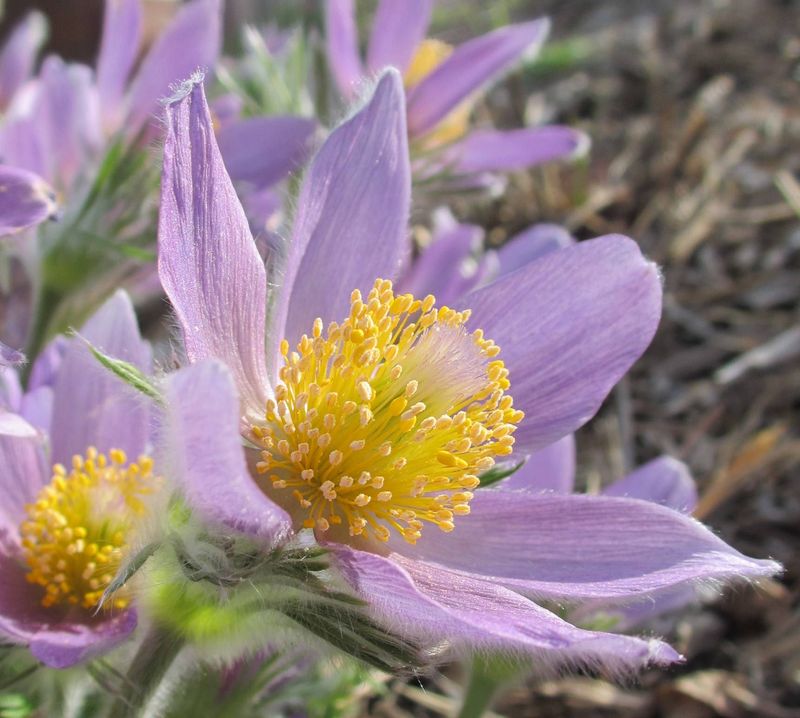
119 46
352 221
25 135
508 150
207 455
664 481
439 269
569 326
191 41
10 357
70 116
25 200
433 605
24 469
36 407
397 30
18 55
46 366
263 150
207 261
630 615
532 243
54 638
549 469
583 547
471 66
341 36
10 390
67 644
91 406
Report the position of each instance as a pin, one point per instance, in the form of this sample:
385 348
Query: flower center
386 421
428 56
75 534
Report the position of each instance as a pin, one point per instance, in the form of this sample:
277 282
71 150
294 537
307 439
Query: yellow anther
364 391
448 459
349 407
384 421
397 406
335 457
362 500
75 532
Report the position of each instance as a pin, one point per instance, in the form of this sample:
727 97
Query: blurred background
693 107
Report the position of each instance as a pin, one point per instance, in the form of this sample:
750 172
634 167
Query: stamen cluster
386 420
75 534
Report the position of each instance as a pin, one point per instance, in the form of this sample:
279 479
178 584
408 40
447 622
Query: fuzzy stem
156 654
484 681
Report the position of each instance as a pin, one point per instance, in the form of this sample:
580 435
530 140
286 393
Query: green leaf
130 374
498 473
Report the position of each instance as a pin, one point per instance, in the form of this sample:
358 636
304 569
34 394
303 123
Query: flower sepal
498 473
127 372
230 596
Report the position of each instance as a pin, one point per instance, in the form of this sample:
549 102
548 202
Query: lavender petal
208 263
569 326
471 66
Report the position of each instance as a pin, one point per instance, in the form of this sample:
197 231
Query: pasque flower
74 477
25 200
61 118
441 85
456 260
373 414
85 461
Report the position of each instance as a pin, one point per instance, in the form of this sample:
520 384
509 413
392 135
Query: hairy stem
156 654
484 682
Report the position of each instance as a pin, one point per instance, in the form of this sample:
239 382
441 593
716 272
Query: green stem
156 654
46 305
481 689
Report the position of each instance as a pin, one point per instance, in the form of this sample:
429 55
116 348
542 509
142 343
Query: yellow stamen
75 535
428 56
397 409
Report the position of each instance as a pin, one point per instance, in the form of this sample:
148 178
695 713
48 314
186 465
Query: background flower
442 83
79 406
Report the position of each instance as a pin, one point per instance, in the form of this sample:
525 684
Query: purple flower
78 480
25 200
62 117
374 412
18 55
441 84
72 484
457 261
